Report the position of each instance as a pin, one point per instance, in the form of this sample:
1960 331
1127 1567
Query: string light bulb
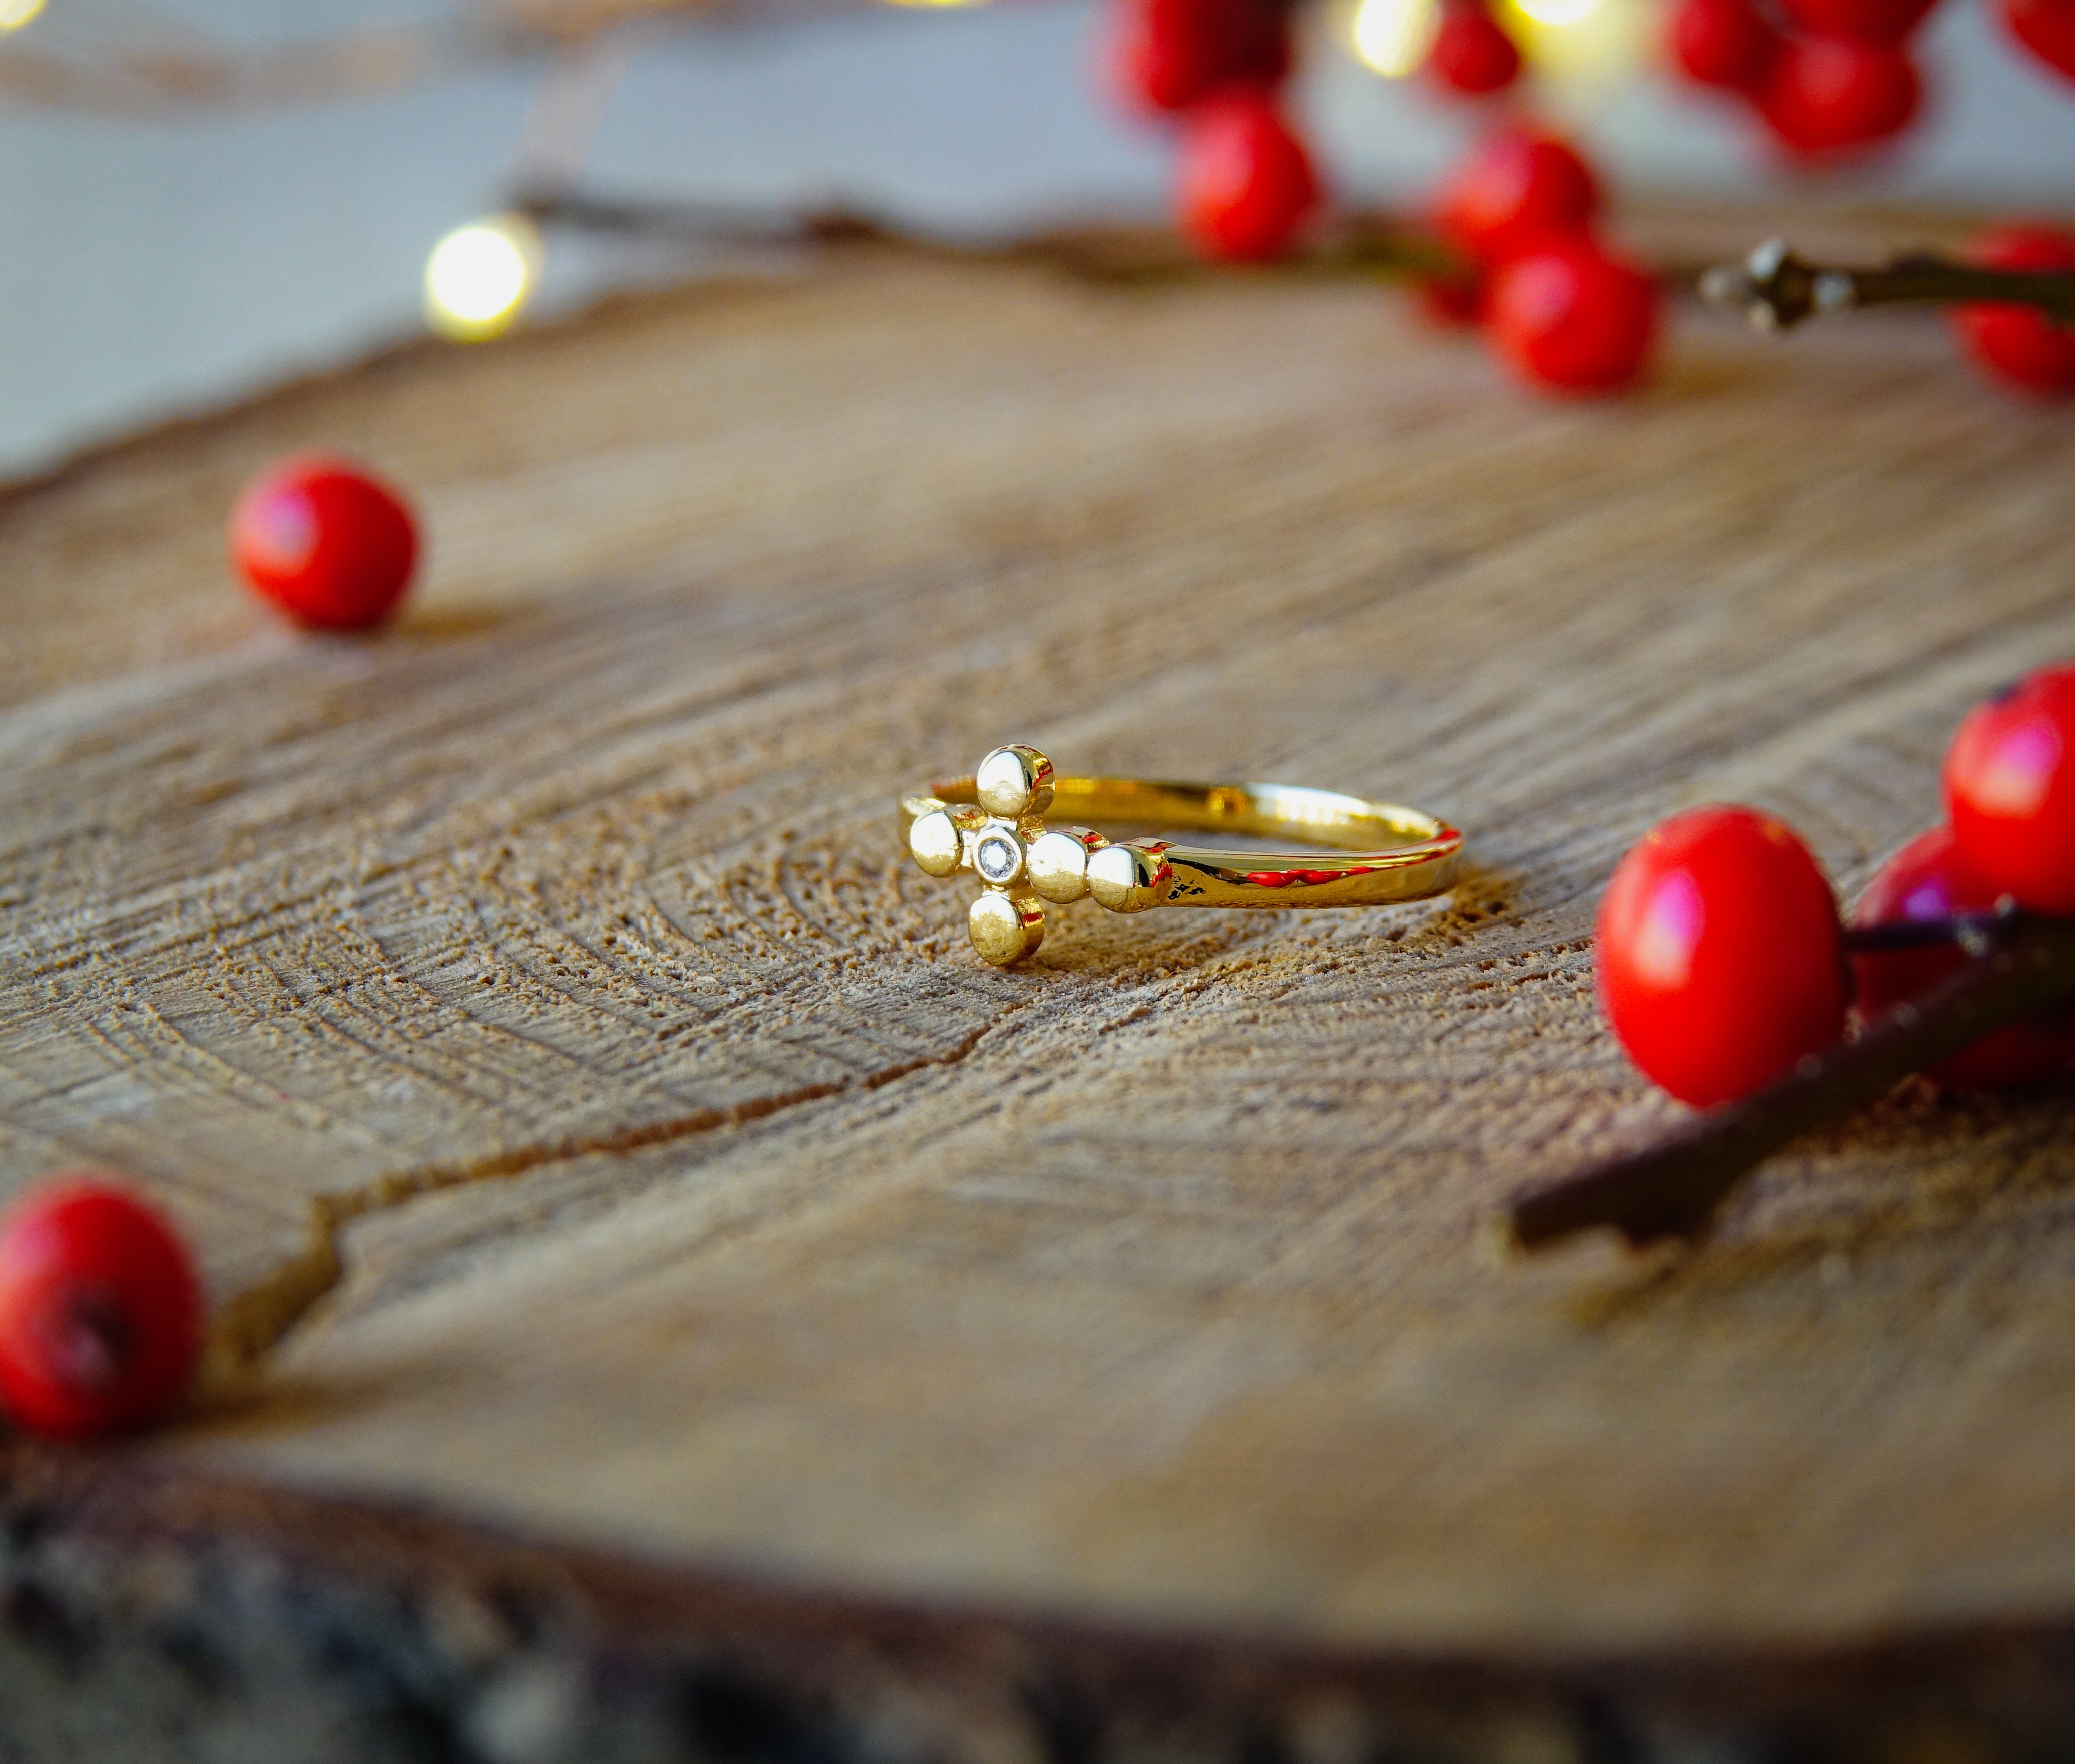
1392 37
15 13
478 276
1582 49
1558 15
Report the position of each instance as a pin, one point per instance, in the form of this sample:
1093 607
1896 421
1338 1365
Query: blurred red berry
1514 189
1721 961
1570 315
327 542
1928 879
2021 344
100 1312
1831 94
1872 21
1723 43
1168 54
1247 186
2046 28
1453 301
1471 53
2010 791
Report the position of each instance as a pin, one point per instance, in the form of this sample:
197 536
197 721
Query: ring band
992 824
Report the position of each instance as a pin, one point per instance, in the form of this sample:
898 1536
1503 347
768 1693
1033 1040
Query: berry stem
1362 245
1976 933
1776 290
1672 1189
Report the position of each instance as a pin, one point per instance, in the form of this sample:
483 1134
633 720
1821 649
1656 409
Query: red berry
1247 186
1723 43
1830 94
1514 189
2010 791
1720 959
1571 316
2046 27
2021 344
101 1313
1168 54
1872 21
1929 880
329 543
1471 52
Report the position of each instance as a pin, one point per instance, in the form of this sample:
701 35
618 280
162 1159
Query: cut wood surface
594 1126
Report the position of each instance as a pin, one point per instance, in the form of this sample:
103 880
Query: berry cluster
1564 310
1829 78
1722 959
1246 186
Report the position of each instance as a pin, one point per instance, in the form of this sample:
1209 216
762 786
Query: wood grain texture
605 1133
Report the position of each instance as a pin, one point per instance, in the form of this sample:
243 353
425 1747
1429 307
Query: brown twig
1776 290
1359 244
1672 1189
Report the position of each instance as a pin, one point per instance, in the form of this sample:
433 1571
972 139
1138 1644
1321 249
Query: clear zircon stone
996 858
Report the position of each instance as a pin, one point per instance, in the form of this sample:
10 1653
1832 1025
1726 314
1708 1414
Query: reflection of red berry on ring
1720 956
100 1311
1290 878
326 541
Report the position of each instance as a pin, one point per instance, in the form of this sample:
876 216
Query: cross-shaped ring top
1004 841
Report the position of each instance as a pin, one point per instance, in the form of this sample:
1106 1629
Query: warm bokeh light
1589 46
15 13
478 276
1558 15
1392 37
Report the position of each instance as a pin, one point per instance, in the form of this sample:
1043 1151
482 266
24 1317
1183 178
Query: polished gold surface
1006 927
1057 862
992 825
1132 878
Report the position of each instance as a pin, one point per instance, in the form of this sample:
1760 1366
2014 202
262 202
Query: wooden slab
594 1129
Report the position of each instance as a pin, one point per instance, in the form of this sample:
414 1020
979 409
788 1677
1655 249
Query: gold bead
1056 861
1131 878
1006 927
1014 781
935 842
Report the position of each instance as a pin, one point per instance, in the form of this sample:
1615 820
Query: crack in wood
258 1318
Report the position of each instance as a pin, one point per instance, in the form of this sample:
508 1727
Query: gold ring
992 824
